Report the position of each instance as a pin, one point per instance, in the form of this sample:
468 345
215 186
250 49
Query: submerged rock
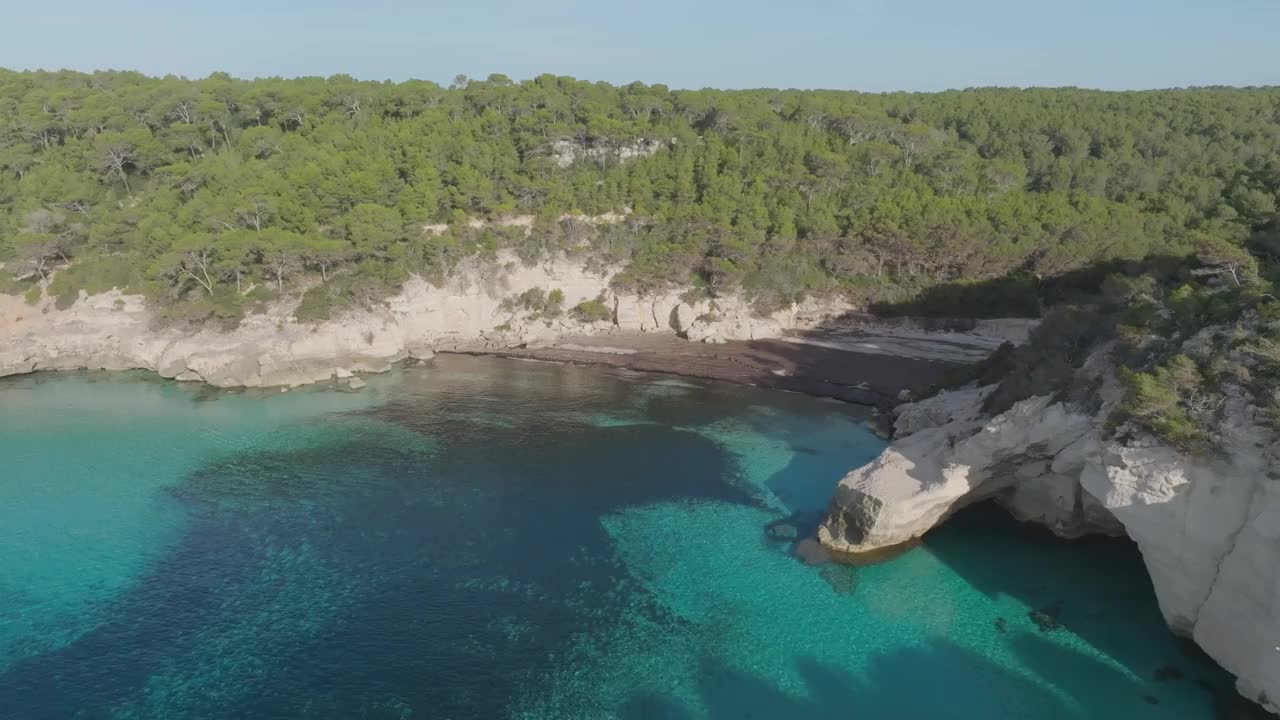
842 578
1046 618
811 552
781 531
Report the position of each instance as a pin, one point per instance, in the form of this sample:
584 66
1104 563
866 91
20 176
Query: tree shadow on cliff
831 363
1021 294
936 680
876 376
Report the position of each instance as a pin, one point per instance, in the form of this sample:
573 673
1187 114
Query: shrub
226 307
532 299
1163 402
10 285
537 302
1194 307
1046 365
317 305
94 275
589 311
554 304
1118 289
321 302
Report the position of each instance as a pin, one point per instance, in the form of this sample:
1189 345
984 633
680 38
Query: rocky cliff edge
117 331
1208 527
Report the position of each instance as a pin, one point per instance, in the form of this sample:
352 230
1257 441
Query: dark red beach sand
863 378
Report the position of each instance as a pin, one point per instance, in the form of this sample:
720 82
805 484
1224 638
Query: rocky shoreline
1209 530
819 347
1208 527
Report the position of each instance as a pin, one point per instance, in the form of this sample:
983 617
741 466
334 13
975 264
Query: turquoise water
483 538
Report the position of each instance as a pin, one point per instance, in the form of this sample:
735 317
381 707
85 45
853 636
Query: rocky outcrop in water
1208 527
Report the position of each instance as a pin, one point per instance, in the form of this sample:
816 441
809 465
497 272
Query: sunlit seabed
481 538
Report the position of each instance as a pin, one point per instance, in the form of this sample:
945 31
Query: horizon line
519 80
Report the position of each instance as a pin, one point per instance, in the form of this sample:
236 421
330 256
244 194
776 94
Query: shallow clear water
485 538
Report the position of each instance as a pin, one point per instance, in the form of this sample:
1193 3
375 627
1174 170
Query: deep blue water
484 538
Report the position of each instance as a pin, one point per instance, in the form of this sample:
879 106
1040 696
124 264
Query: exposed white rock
568 152
683 317
923 478
708 336
949 340
1057 501
945 407
1208 528
356 383
117 331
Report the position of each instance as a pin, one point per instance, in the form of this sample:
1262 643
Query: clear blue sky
853 44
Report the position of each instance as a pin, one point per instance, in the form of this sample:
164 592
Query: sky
870 45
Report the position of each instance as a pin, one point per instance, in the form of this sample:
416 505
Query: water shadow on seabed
1103 577
938 681
351 578
1097 594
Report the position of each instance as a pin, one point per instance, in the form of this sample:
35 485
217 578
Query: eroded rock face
943 408
117 331
568 152
1208 528
923 478
1057 501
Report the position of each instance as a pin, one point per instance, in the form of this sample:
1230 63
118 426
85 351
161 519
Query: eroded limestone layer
117 331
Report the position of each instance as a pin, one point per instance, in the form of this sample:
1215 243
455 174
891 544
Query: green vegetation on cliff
215 195
1188 336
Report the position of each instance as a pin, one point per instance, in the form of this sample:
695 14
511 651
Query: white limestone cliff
1208 527
1209 530
115 331
568 152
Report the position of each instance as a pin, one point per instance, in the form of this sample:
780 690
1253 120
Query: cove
484 538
